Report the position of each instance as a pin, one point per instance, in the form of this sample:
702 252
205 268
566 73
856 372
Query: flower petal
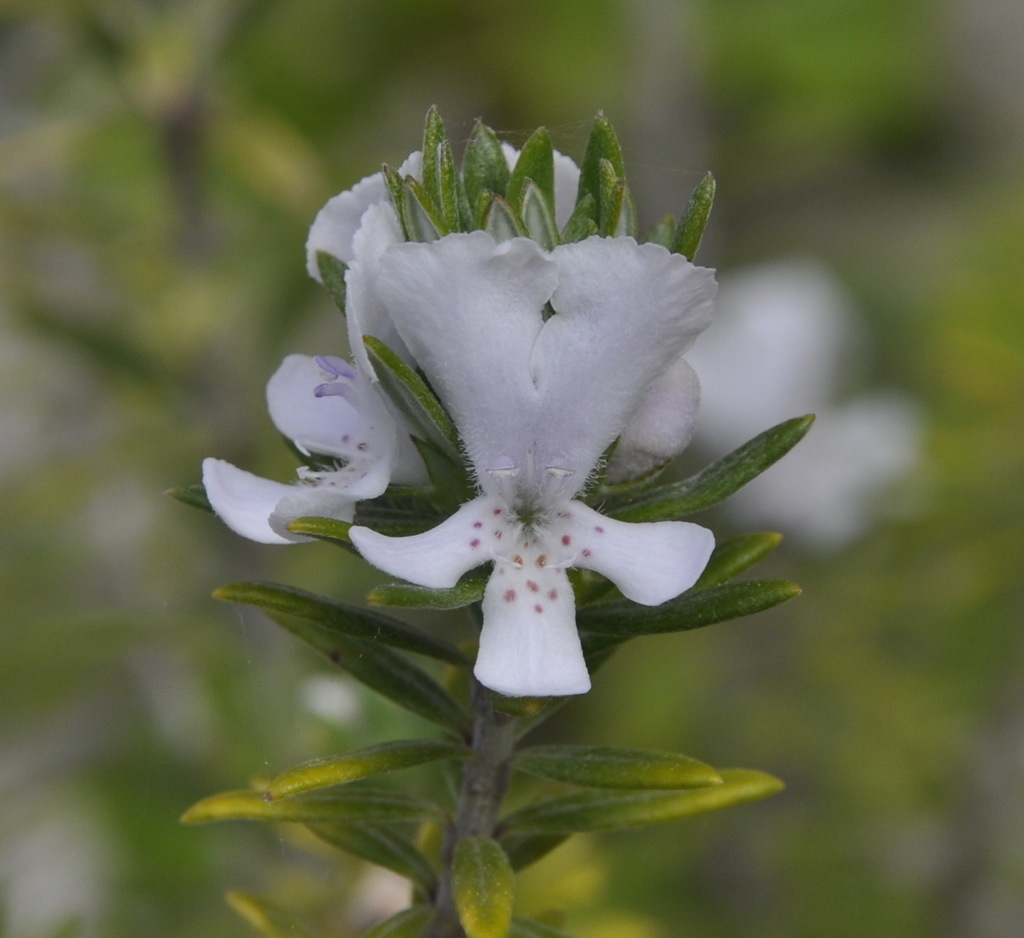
336 224
338 221
529 646
331 425
624 313
661 427
469 310
650 563
243 501
365 313
438 557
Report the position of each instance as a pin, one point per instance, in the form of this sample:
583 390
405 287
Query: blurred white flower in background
785 341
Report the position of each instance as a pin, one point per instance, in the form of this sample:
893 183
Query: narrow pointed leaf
268 919
409 923
593 811
325 529
412 396
735 555
451 195
434 136
719 480
422 216
381 845
448 476
603 144
523 850
396 190
343 805
192 495
609 200
501 222
536 163
361 763
695 218
484 167
335 617
382 670
693 610
538 217
583 221
482 885
470 589
608 767
332 272
528 928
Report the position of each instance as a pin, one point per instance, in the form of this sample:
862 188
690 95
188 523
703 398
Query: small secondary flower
330 410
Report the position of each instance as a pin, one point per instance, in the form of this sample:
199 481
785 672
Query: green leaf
718 481
451 194
423 218
536 163
593 811
527 928
434 136
325 529
523 850
602 144
610 199
384 671
538 216
695 218
470 589
663 232
482 886
447 474
382 845
582 222
735 555
332 272
484 167
501 221
396 189
409 923
695 609
344 805
412 396
192 495
608 767
334 617
361 763
267 918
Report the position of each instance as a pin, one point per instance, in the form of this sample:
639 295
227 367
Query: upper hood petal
469 310
624 312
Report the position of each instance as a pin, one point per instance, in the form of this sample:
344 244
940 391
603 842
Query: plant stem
484 783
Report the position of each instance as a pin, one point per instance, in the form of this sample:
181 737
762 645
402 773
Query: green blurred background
160 163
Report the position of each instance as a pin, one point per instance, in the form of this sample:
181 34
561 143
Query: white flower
326 408
537 401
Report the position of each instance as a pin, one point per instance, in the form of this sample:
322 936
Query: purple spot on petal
552 595
585 552
599 529
478 524
538 608
509 596
475 542
566 540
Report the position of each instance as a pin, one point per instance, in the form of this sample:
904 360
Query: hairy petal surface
469 310
624 313
650 563
438 557
243 501
529 646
